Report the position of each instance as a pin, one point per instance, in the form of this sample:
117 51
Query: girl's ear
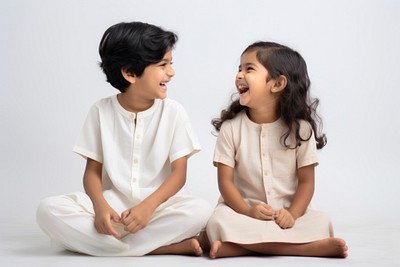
129 76
280 84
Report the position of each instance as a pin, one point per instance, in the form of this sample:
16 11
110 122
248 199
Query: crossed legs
329 247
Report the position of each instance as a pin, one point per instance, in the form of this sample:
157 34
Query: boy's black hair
132 46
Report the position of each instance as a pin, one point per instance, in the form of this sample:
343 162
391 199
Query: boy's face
153 82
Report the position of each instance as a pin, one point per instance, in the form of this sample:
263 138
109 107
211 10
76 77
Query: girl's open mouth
243 89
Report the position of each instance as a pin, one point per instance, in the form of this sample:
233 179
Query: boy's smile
153 82
151 85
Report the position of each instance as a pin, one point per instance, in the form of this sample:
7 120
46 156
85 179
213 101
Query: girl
136 145
265 156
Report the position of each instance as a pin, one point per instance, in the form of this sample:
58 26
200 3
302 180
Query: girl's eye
249 68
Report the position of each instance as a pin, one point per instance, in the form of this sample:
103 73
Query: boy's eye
164 64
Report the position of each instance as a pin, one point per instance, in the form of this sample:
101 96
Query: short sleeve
88 144
306 153
185 141
224 148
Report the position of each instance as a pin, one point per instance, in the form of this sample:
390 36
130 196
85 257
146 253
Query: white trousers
71 224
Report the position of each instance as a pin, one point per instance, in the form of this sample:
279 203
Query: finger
267 207
132 227
110 229
283 223
266 214
278 220
115 218
276 214
125 214
129 218
99 228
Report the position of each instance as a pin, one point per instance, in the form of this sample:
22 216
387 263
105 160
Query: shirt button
135 161
265 173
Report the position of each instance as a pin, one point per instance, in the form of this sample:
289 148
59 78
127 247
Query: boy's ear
129 76
280 84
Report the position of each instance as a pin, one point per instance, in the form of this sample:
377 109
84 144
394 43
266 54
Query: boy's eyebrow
166 59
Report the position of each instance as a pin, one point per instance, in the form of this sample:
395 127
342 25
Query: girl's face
153 82
252 82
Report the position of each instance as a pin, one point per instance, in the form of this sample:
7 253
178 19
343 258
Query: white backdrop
49 77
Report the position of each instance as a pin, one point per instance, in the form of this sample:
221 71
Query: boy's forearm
169 188
92 183
93 189
172 184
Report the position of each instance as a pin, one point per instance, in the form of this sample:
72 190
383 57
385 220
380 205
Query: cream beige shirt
264 171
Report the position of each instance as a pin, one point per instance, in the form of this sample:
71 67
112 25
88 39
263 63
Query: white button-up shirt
136 150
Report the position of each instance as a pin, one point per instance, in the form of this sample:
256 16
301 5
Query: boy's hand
136 218
284 219
262 212
102 221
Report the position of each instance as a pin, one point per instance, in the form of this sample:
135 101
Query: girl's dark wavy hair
295 102
133 46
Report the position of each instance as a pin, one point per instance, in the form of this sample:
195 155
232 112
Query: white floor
374 244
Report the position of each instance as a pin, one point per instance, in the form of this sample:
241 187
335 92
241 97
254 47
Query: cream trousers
69 221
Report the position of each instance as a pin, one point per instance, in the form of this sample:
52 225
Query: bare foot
214 249
329 247
340 247
227 249
189 246
195 245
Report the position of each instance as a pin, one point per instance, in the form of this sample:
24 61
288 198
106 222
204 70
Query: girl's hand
102 221
136 218
284 219
262 212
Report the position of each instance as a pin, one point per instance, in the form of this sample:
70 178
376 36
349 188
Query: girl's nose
171 71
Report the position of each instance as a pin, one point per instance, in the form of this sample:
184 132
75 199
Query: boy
136 145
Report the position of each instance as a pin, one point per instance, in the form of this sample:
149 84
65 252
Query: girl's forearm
229 191
304 192
233 198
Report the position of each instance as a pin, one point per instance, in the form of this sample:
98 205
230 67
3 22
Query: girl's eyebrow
247 64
